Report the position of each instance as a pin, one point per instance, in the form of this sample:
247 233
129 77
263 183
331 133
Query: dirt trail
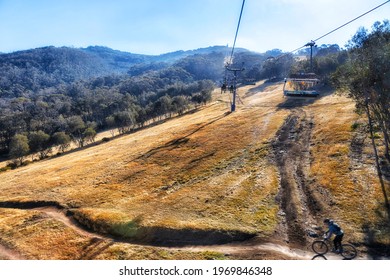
56 214
8 254
292 156
60 215
298 206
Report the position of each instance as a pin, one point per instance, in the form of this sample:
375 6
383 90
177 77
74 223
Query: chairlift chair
303 84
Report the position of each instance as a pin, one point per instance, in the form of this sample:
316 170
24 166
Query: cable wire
238 27
341 26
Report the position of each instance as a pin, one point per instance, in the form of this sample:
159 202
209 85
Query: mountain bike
321 247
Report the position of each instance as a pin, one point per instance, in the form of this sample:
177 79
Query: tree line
56 116
50 97
365 76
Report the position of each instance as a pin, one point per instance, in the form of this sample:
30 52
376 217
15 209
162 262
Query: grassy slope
353 193
209 170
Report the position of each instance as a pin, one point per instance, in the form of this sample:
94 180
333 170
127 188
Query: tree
179 104
89 135
19 148
110 123
366 77
38 142
62 140
278 67
201 98
76 128
124 121
10 124
163 106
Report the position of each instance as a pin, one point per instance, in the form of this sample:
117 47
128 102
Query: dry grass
209 170
352 183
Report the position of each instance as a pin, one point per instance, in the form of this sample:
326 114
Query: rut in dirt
292 156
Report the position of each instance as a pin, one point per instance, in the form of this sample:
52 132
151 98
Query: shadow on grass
133 232
373 233
30 204
184 237
181 140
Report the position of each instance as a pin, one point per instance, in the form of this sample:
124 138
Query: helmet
328 221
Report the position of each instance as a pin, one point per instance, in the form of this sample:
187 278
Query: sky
160 26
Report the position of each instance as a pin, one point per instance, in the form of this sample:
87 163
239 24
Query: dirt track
8 254
292 156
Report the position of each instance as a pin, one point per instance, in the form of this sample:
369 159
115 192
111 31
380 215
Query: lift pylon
234 85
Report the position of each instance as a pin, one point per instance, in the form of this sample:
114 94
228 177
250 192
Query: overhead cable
341 26
238 27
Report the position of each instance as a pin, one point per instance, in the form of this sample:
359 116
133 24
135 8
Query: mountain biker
335 229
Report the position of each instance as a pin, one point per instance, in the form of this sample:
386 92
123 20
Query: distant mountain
120 59
29 71
115 60
177 55
67 64
91 61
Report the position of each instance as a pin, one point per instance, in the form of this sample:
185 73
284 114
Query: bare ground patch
299 200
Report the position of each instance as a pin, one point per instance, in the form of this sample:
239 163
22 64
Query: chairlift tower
311 44
234 70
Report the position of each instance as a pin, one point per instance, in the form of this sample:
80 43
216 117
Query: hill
49 90
72 64
264 176
29 72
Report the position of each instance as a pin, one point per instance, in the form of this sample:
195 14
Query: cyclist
335 229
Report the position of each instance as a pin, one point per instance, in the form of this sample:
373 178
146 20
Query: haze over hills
36 69
93 61
97 60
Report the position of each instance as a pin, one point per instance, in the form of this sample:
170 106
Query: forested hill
75 92
29 72
32 70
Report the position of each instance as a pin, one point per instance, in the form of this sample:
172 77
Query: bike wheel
349 252
319 257
320 247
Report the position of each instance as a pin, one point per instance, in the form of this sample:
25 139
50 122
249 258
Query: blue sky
160 26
